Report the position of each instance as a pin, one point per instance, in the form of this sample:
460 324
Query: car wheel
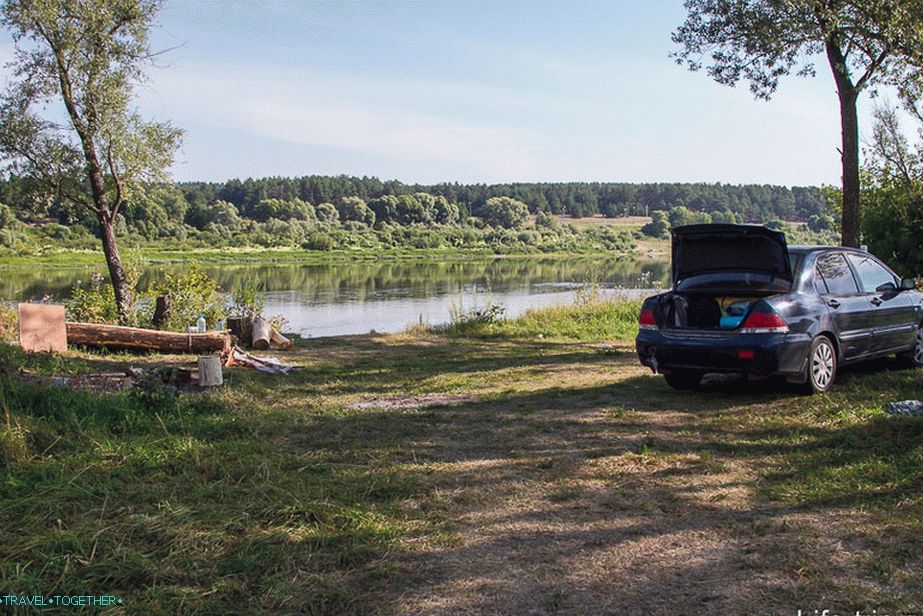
684 379
821 365
915 357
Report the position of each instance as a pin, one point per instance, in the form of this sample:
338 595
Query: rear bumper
720 351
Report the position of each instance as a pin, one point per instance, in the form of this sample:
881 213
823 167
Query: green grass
282 494
591 319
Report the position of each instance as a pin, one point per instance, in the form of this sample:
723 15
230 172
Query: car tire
822 365
914 357
684 379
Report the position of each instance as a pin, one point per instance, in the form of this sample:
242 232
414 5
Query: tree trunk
849 123
120 286
849 229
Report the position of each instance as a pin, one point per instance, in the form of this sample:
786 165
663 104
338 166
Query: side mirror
908 284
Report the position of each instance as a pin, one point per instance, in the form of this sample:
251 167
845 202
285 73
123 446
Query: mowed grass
497 471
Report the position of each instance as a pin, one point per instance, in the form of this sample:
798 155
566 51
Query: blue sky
471 92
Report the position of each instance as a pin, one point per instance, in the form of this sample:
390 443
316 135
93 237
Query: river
352 298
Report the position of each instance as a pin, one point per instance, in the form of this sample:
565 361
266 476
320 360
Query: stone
41 328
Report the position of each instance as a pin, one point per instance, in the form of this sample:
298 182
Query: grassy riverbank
513 467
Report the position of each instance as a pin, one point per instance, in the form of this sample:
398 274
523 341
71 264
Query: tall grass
589 318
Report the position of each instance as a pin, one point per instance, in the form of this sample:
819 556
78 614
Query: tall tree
865 42
85 56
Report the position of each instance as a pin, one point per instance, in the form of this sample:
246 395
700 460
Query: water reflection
344 298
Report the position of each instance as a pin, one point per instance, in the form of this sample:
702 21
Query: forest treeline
752 203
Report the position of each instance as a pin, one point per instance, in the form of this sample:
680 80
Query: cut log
241 328
280 341
137 339
262 333
210 371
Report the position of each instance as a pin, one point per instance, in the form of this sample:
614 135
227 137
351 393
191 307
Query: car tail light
646 319
764 323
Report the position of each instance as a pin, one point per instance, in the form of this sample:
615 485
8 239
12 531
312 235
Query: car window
871 273
836 275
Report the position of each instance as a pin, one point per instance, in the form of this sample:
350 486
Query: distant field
625 221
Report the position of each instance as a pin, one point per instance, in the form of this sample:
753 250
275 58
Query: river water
353 298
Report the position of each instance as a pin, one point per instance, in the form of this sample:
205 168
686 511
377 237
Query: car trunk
705 310
720 271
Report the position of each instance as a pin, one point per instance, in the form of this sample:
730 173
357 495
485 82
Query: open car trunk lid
714 249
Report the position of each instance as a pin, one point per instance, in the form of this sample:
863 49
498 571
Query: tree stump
262 333
161 311
242 329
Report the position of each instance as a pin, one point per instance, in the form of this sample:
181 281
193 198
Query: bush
327 213
248 300
504 212
191 294
93 303
319 240
658 227
8 321
354 209
7 218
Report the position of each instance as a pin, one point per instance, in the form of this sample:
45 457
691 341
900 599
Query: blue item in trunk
730 322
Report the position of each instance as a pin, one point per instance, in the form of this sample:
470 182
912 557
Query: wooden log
262 333
161 311
210 371
280 341
137 339
241 328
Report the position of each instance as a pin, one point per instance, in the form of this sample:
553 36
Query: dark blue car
744 302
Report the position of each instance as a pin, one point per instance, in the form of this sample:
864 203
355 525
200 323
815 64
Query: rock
907 408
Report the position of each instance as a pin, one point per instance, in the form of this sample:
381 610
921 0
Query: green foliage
248 299
327 213
504 212
7 218
354 209
296 209
222 213
682 216
658 227
191 294
8 322
893 196
92 303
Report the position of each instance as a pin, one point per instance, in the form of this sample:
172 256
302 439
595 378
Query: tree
504 212
865 42
354 209
87 55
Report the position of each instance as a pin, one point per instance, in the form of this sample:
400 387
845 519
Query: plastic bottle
201 323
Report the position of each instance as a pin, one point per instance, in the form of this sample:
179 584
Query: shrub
93 303
191 294
327 213
8 321
354 209
658 227
504 212
319 240
248 299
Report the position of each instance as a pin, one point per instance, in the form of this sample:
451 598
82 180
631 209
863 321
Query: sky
470 92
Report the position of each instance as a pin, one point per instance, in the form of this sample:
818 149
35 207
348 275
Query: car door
893 312
849 309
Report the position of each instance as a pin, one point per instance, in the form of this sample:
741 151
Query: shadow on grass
621 495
